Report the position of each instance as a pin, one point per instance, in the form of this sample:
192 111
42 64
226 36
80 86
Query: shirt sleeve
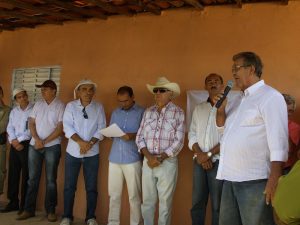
192 135
34 110
140 141
4 119
68 121
178 141
274 113
61 112
101 123
10 128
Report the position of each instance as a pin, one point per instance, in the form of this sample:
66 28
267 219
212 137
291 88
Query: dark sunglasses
85 115
160 90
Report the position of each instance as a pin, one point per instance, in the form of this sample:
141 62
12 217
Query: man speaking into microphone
253 147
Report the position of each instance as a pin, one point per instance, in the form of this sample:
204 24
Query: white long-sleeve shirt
203 129
75 123
255 134
17 127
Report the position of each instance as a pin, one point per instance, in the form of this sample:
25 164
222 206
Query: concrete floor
39 219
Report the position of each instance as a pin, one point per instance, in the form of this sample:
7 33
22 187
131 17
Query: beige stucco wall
183 45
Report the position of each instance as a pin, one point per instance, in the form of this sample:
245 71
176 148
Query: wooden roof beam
153 9
71 7
110 8
239 3
195 3
15 14
27 6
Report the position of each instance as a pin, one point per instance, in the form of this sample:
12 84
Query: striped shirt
162 132
255 134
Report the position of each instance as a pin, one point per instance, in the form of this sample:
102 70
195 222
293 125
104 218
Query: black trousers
18 162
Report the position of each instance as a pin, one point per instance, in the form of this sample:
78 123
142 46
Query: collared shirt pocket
251 118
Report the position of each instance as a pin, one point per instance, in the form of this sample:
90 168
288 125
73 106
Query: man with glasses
83 119
124 159
253 147
19 137
204 142
45 124
160 139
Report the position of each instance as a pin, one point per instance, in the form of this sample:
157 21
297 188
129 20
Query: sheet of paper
112 131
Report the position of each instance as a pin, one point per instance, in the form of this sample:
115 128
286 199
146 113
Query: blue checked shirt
125 152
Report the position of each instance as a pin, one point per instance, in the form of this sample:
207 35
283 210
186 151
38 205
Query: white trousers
132 174
159 182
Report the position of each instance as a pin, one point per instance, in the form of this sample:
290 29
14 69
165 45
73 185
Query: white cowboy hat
163 82
82 82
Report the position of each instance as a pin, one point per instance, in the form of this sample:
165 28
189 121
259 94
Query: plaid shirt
162 132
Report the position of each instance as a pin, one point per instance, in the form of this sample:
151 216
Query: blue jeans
205 184
243 203
90 173
51 155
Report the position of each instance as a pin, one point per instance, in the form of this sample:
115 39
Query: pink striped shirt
162 132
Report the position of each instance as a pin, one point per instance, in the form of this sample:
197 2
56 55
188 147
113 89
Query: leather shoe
10 207
25 215
52 217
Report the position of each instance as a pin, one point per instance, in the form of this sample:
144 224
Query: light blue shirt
17 127
125 152
86 129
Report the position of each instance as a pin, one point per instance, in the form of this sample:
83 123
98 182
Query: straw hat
17 91
82 82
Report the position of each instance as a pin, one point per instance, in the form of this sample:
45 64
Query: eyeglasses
85 115
236 68
160 90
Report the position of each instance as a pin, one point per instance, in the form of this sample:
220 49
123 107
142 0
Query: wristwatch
92 142
209 154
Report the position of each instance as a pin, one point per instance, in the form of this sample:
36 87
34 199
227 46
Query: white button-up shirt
86 129
17 127
47 118
255 133
203 129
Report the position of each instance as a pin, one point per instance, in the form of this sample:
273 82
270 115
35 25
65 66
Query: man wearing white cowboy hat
83 119
46 128
19 137
160 138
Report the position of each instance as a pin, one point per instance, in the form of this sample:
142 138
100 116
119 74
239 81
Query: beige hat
163 82
82 82
17 91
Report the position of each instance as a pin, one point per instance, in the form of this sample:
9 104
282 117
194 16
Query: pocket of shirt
150 124
53 116
170 125
251 118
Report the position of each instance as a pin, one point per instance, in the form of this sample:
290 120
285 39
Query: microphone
226 91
